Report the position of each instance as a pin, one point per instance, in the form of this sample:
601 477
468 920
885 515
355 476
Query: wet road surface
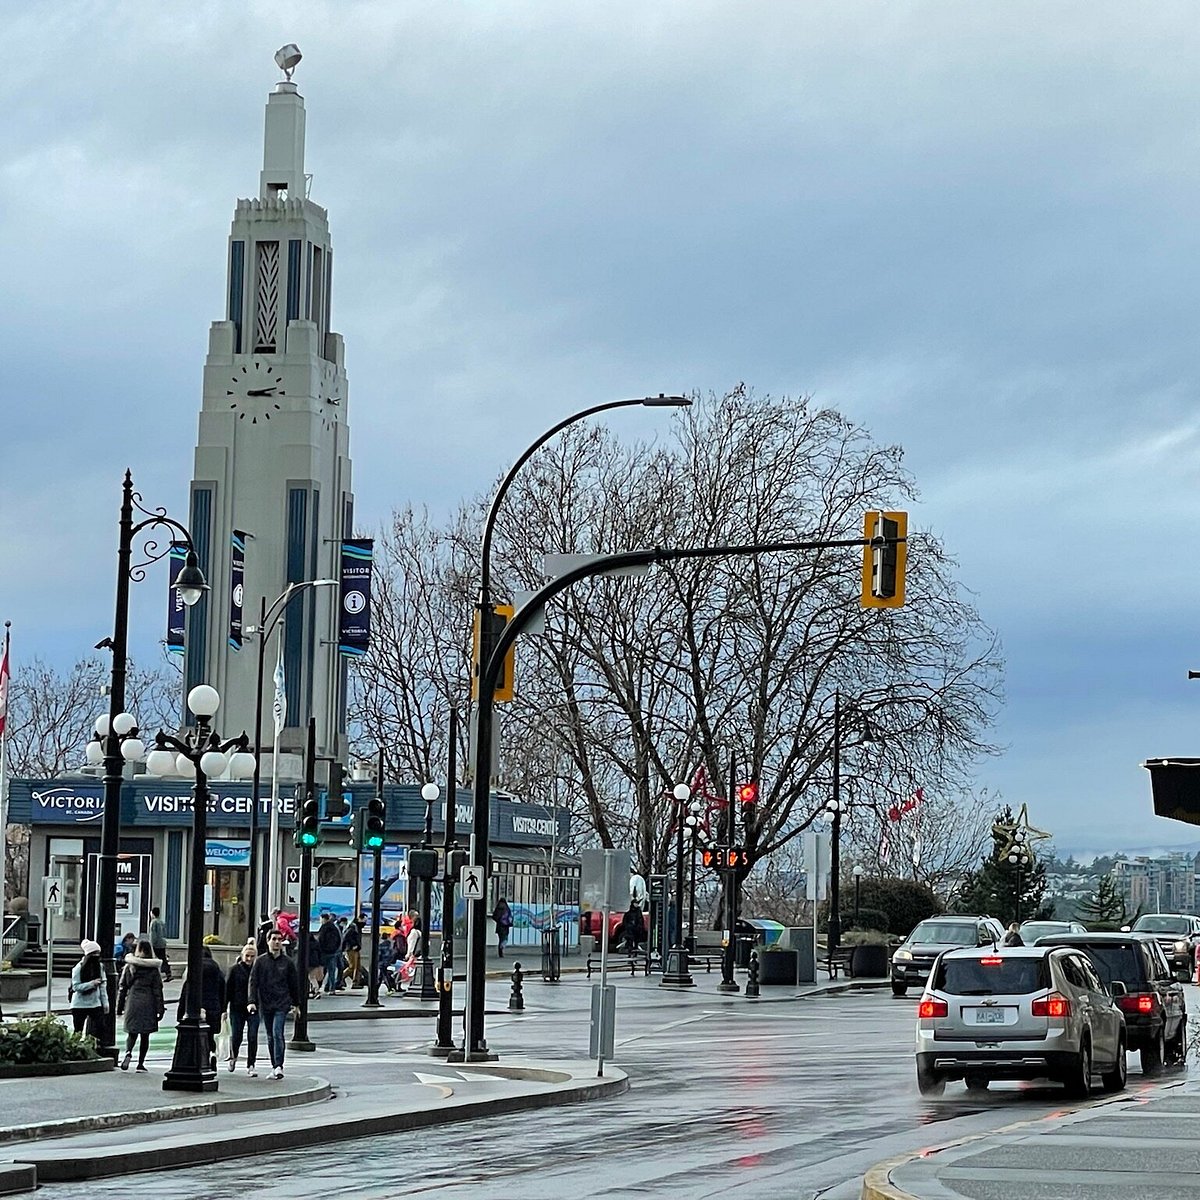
729 1098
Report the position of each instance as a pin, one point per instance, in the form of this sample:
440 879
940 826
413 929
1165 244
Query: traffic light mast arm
490 671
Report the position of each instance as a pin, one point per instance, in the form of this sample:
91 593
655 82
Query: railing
13 940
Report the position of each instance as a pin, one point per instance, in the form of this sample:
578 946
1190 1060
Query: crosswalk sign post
470 883
52 902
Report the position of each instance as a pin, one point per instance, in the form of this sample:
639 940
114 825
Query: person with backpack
158 941
503 917
88 993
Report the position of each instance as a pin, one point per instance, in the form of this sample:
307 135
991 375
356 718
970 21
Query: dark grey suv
913 959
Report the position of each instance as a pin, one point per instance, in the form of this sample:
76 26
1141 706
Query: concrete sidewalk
1142 1142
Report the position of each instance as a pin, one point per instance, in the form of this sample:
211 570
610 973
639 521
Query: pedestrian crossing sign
470 883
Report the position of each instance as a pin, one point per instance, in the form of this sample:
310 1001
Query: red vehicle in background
590 924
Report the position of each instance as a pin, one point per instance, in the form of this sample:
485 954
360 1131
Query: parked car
913 959
1154 1005
1029 1012
1032 930
1177 933
591 920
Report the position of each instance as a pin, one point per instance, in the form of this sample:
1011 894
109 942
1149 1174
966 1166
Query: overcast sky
971 227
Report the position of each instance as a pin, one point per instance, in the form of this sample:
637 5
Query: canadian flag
4 686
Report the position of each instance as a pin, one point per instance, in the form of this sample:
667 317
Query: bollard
752 982
516 1000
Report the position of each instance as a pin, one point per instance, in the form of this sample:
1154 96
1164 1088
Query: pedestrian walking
264 927
158 940
329 948
503 917
242 1022
140 998
212 999
274 990
352 948
88 993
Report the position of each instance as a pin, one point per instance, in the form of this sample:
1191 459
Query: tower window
266 297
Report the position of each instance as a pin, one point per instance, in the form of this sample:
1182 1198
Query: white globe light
430 792
203 700
184 767
214 763
133 750
101 725
123 723
94 753
160 762
241 765
682 792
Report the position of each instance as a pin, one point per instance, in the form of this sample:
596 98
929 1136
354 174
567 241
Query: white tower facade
273 454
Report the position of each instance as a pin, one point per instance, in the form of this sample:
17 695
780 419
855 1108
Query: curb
68 1165
877 1182
15 1178
102 1122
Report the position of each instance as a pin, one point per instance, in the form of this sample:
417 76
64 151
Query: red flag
4 686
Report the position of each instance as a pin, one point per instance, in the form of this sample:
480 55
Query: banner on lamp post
354 627
237 576
176 626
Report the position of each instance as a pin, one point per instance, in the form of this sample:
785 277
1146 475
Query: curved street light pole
269 618
190 585
475 1047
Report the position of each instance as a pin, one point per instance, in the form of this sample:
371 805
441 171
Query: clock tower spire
272 463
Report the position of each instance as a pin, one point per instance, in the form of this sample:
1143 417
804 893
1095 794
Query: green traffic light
374 841
308 839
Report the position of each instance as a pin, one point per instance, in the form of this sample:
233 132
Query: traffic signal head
308 827
422 864
711 857
373 827
884 559
336 800
747 793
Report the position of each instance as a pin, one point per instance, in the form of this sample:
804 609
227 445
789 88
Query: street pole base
372 1004
437 1051
731 986
187 1081
192 1068
474 1056
675 970
302 1044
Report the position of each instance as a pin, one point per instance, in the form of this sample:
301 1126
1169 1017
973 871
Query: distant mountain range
1087 854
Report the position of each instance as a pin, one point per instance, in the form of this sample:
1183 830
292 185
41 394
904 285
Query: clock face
254 391
330 397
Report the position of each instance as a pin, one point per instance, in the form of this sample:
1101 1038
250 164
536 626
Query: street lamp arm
280 603
489 525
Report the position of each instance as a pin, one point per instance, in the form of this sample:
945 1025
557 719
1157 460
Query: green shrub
868 918
904 902
44 1040
865 937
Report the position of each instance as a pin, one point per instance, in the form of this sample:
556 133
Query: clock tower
272 464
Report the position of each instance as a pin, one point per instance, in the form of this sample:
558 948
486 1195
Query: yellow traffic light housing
885 557
501 615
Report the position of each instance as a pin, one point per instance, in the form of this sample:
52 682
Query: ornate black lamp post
693 823
858 874
201 755
119 728
1021 858
675 966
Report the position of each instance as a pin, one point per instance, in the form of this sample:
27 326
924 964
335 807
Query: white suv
1029 1012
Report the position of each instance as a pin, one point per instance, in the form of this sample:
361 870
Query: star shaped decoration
1018 832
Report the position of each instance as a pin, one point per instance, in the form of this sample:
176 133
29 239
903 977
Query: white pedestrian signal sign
52 893
470 883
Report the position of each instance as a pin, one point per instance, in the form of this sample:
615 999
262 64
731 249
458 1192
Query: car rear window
944 933
1032 930
1161 925
1116 962
992 976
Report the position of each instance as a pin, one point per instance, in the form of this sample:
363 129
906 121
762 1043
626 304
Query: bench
710 959
616 962
839 960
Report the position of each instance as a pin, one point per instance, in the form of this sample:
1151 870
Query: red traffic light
747 793
710 858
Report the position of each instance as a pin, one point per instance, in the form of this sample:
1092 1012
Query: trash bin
742 949
753 931
551 955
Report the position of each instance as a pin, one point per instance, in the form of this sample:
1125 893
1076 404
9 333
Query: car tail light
1145 1002
1053 1005
992 960
931 1006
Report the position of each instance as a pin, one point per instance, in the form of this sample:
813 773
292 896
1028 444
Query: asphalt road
730 1098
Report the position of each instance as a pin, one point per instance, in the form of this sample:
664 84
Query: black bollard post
516 999
752 982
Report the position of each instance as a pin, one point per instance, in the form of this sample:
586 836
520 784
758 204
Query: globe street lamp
693 823
190 586
858 874
429 793
675 966
475 1047
1019 857
199 755
270 617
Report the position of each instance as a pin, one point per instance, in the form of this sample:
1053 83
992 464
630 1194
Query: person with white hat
88 992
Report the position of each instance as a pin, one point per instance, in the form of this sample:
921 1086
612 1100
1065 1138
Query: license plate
989 1016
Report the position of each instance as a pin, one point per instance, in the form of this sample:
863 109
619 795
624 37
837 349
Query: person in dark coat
273 992
1013 936
241 1020
352 948
329 946
503 917
632 930
140 998
212 999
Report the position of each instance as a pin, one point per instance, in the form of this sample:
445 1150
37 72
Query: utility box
604 1021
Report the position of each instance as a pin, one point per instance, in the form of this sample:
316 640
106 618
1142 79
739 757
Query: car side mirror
1126 929
1117 988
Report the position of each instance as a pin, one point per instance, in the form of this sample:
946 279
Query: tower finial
286 58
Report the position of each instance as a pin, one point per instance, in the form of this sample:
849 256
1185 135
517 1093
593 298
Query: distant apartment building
1164 884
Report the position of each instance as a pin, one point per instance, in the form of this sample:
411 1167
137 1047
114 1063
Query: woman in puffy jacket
89 992
140 998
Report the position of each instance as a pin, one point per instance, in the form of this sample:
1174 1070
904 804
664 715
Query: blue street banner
354 633
237 575
175 605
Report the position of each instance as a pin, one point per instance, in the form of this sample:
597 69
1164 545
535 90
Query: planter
87 1066
15 985
778 967
868 962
